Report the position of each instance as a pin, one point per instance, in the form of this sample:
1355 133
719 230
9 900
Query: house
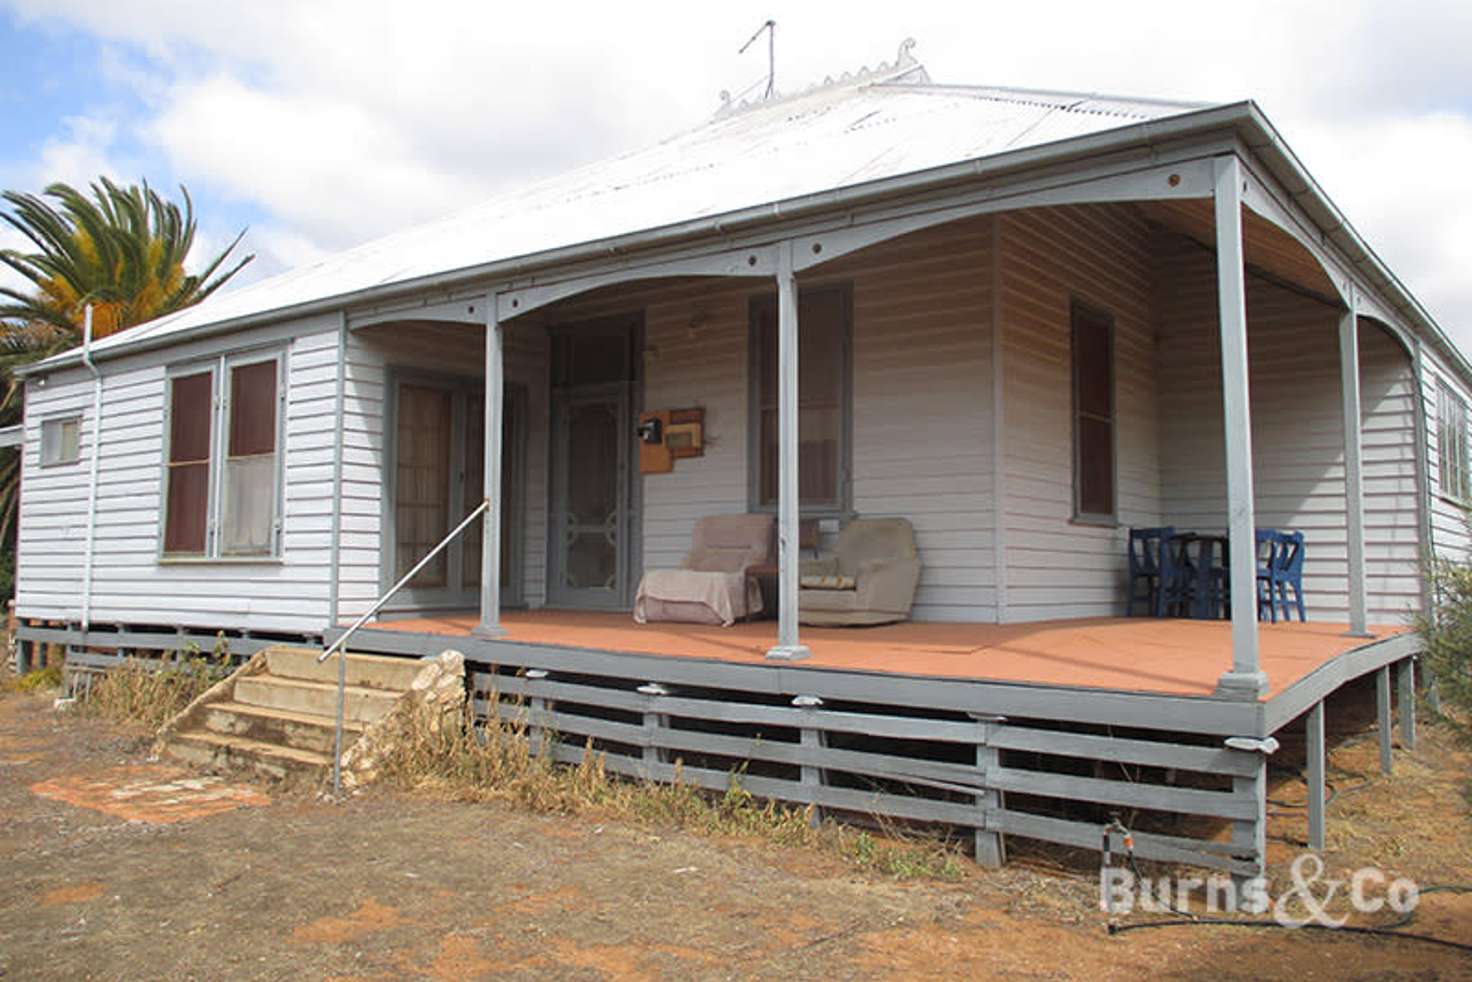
1025 321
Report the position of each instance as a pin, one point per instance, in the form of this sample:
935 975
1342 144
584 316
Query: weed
463 759
46 678
149 693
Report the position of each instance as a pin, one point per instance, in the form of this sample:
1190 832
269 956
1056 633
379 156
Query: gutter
86 358
1139 135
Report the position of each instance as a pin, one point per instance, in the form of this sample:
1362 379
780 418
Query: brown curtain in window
186 517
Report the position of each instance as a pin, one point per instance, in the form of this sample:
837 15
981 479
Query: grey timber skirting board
895 763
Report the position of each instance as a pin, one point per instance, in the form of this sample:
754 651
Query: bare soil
118 868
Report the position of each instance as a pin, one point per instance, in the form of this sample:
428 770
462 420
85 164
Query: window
824 325
221 495
61 440
1451 443
1093 415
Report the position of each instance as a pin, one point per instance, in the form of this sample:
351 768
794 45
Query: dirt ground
114 867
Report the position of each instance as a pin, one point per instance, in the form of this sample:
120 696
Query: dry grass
143 694
458 759
49 677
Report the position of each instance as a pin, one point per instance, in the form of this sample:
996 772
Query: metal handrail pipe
340 645
389 594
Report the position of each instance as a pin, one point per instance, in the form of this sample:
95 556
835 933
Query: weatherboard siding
130 584
1297 431
1050 258
922 405
922 433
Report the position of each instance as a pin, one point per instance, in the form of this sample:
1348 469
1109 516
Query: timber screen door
592 440
437 478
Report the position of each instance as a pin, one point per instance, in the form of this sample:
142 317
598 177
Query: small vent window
61 440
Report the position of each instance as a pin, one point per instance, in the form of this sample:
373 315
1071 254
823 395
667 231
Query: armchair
869 579
711 585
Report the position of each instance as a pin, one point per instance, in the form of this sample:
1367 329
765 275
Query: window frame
1080 310
842 507
219 368
1453 479
57 421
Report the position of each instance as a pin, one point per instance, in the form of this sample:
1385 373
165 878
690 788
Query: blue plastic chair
1266 541
1150 567
1288 573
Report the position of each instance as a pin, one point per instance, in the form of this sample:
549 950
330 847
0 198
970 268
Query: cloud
1390 177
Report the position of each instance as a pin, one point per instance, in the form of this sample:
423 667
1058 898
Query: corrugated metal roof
878 124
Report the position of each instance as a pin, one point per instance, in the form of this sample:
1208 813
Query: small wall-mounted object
685 434
667 435
651 429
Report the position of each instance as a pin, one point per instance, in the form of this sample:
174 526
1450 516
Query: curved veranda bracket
1273 206
515 301
1134 181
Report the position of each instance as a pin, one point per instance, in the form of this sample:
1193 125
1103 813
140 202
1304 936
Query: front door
436 479
592 443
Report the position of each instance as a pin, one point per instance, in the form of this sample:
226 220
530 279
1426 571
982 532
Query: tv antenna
771 28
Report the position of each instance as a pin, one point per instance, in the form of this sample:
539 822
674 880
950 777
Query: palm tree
122 252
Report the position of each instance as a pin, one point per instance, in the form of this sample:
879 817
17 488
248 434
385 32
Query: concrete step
301 731
366 671
361 705
255 757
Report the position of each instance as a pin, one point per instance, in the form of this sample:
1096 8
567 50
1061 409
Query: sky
319 125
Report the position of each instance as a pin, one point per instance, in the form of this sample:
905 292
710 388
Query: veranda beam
788 647
1245 679
1354 488
490 540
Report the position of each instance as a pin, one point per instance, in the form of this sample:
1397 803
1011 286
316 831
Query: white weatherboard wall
922 424
130 584
1297 431
922 432
1051 257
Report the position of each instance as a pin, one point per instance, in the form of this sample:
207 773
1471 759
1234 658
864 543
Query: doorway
435 478
594 529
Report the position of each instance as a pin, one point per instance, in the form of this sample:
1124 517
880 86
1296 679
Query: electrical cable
1185 918
1391 930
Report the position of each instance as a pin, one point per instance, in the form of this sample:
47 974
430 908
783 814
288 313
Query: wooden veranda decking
1165 656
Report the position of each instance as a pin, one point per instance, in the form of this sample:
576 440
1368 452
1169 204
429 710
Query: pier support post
1406 694
1382 713
537 710
991 847
653 722
1314 743
812 742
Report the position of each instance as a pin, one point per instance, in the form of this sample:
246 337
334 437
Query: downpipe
93 465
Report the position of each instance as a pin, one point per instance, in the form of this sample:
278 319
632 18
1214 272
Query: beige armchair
869 579
711 585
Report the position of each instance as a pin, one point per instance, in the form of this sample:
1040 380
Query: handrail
340 645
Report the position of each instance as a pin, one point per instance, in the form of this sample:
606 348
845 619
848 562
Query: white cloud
346 118
1392 177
